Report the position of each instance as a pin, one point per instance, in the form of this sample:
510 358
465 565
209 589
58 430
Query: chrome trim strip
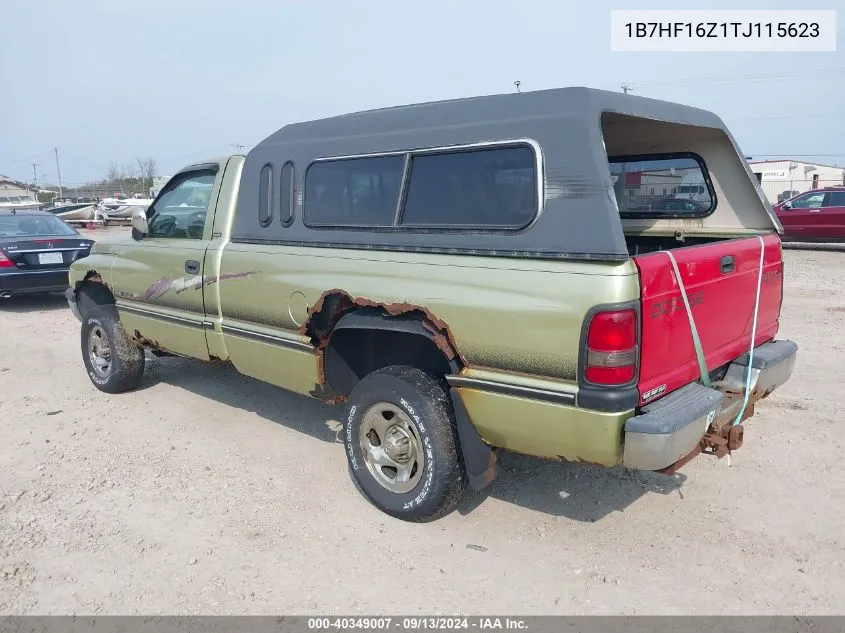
266 338
159 315
557 397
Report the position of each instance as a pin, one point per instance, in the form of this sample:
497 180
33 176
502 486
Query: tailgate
721 284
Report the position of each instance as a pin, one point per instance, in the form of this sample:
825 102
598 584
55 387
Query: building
10 189
649 186
782 179
158 183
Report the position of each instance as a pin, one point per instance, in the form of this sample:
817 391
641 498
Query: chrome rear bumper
672 427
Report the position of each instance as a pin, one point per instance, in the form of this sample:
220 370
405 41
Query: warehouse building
781 179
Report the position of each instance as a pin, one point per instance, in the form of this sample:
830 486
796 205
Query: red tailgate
722 299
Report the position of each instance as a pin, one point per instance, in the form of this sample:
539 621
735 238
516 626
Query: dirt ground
206 492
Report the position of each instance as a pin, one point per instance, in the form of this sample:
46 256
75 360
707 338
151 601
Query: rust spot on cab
142 341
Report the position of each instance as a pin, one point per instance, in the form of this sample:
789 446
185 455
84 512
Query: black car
36 250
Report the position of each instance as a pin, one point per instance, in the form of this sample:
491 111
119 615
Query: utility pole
58 172
35 177
626 88
237 146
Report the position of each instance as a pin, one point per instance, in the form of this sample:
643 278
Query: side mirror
786 205
140 228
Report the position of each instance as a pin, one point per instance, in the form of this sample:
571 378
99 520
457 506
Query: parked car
459 274
786 195
814 216
36 251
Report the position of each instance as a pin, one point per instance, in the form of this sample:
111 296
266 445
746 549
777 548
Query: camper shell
572 132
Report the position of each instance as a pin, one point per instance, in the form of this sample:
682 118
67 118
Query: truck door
158 281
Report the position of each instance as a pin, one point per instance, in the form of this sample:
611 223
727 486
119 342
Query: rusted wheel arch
336 318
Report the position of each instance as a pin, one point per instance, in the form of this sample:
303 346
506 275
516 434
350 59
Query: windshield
33 226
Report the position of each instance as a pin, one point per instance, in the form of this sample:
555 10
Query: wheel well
353 353
91 292
355 336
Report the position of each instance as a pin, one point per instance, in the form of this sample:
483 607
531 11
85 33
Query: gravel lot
206 492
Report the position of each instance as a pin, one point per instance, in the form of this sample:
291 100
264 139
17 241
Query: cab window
181 210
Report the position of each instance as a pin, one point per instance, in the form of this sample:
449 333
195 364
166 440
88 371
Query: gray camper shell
571 136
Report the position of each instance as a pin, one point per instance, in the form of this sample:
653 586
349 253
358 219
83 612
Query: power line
821 115
743 78
791 155
24 160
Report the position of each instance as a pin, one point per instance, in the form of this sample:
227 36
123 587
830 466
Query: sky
180 80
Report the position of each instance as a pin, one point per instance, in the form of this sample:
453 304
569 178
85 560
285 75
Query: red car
817 215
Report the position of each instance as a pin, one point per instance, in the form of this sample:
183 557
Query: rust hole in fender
333 304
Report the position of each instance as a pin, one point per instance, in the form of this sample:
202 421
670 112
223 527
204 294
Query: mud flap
479 458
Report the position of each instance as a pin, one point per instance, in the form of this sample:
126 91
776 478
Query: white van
692 187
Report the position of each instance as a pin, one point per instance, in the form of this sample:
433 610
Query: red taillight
5 262
612 348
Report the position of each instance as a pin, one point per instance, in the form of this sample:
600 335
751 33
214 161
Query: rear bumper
672 427
31 281
771 367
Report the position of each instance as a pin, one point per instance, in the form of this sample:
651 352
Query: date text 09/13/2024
415 623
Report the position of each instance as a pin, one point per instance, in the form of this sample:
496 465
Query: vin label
723 31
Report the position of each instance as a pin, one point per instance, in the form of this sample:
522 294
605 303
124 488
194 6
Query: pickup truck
467 276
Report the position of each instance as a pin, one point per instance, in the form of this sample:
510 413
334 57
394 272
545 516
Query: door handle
192 267
726 264
815 210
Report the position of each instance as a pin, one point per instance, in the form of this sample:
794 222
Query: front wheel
402 444
114 363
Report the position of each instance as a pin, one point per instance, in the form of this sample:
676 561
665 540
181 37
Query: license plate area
50 258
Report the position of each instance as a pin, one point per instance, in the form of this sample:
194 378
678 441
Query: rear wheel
114 363
402 444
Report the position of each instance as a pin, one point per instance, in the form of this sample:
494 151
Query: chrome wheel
99 352
391 446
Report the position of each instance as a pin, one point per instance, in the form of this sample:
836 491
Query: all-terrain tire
117 365
424 400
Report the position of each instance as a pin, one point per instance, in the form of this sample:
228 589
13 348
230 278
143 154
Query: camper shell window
439 189
286 192
353 192
489 188
265 196
683 177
